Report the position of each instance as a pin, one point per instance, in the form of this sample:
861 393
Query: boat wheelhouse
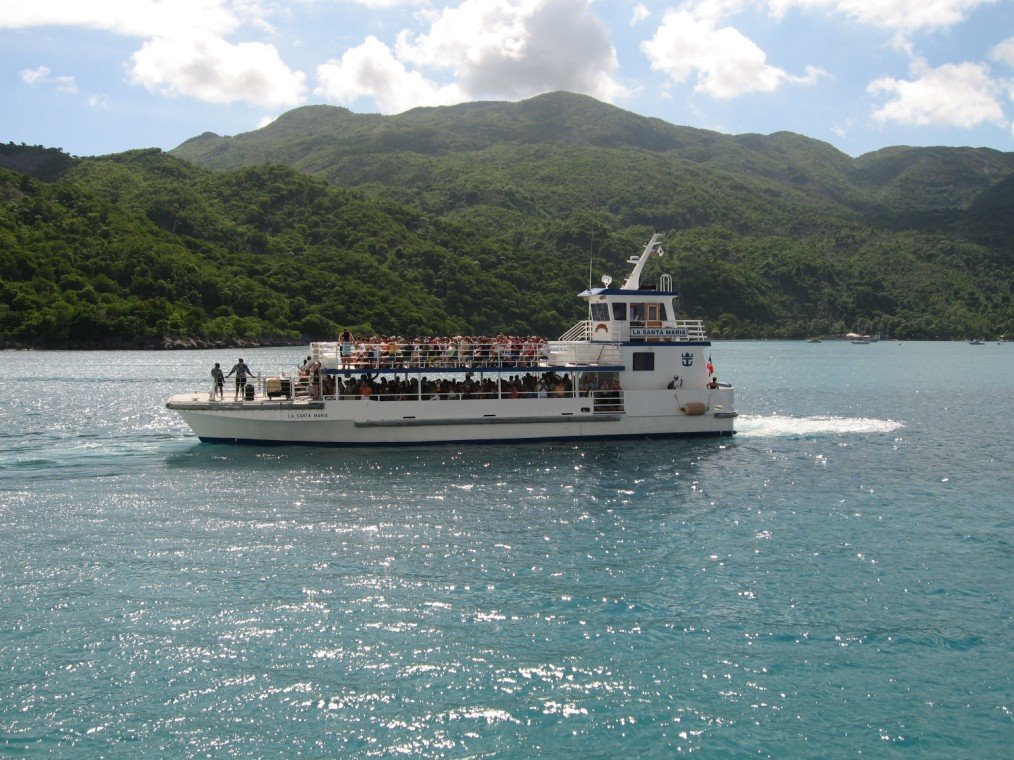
632 369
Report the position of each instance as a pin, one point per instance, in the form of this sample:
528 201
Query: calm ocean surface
836 580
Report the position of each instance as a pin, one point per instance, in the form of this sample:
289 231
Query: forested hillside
483 218
145 249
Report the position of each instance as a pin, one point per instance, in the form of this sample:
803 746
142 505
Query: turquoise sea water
836 580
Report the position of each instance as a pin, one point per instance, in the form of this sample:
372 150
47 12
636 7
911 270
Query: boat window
620 312
644 361
600 312
637 312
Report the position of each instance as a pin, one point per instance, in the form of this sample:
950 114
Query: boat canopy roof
628 294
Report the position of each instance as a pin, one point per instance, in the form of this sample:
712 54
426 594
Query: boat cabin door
653 318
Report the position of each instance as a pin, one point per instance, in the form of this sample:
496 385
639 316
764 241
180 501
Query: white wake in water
775 425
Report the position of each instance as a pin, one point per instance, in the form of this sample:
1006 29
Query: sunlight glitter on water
166 598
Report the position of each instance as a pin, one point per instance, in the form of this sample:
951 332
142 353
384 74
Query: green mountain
142 249
483 217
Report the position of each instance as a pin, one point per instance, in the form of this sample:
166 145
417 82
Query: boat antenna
591 254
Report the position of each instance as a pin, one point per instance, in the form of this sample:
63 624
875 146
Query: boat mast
634 280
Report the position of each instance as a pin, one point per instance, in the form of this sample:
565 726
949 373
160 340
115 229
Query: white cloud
371 70
518 48
208 68
184 52
640 14
479 49
898 15
43 75
952 95
1004 52
134 18
842 128
384 4
727 63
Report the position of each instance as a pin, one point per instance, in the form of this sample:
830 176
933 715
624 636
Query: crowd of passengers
382 352
546 385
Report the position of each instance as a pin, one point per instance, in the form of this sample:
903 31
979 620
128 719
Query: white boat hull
365 422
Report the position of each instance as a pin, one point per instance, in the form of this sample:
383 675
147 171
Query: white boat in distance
631 370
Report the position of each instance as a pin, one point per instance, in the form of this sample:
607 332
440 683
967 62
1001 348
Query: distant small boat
813 340
976 342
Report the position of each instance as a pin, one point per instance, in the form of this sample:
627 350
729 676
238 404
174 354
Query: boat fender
693 409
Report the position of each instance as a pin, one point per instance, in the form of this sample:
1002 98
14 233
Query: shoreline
165 344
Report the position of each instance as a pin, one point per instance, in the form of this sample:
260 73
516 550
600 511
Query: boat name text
658 332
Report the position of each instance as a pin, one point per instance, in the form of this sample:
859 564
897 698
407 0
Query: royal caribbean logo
688 360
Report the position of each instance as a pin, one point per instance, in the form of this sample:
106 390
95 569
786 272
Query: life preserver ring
601 326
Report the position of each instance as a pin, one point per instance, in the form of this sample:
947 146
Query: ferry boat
630 370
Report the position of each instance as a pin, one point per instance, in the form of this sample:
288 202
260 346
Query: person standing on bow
242 371
218 389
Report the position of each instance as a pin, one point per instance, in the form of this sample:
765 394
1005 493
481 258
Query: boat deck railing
303 389
579 354
462 354
581 331
676 329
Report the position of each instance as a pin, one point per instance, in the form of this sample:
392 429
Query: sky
103 76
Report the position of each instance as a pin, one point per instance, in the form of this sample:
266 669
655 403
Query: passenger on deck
218 389
347 342
713 384
611 396
242 371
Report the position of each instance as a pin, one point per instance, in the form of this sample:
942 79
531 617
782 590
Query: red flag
710 366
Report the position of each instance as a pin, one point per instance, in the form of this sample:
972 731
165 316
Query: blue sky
110 75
